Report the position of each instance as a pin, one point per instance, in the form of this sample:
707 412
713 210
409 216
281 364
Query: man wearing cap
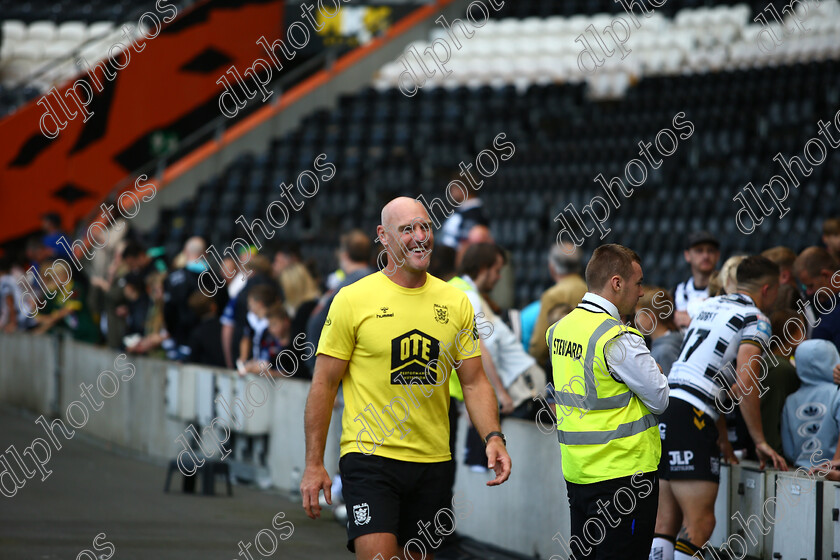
702 252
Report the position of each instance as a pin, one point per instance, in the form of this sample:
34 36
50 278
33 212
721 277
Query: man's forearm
317 420
751 411
482 407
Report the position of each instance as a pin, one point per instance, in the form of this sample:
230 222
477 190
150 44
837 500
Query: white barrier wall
524 513
28 376
159 400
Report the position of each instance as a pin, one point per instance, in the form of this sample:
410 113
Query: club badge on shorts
361 514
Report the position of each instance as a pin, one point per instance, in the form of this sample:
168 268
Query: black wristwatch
491 434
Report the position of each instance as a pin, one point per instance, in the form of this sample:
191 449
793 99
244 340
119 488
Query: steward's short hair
607 261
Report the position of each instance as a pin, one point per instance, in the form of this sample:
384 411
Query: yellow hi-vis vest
604 429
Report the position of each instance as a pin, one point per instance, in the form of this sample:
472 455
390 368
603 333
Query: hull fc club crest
361 514
441 314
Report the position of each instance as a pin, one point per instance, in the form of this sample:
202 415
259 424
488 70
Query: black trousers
612 519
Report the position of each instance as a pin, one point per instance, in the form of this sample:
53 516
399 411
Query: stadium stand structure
384 144
40 41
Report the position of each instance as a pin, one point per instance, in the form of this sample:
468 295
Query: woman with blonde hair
300 295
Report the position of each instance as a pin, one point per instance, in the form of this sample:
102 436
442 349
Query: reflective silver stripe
551 337
591 401
599 438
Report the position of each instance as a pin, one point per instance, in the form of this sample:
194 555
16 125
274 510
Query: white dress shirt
629 359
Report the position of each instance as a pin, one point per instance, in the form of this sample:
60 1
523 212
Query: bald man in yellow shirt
392 339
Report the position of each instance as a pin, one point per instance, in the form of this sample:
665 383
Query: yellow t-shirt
392 336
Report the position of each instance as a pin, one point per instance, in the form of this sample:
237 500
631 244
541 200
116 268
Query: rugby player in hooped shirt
727 329
396 470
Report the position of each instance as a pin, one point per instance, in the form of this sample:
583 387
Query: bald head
407 237
479 234
394 212
194 248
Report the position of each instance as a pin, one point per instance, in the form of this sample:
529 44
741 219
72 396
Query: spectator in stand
136 257
71 314
442 264
206 337
478 233
468 212
565 267
727 276
9 298
137 306
655 319
177 288
354 262
479 272
558 312
275 339
811 415
817 270
258 269
234 287
790 295
702 251
154 330
26 307
301 295
285 255
781 379
716 285
831 237
260 299
51 226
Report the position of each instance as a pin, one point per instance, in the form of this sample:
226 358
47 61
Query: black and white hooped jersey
711 343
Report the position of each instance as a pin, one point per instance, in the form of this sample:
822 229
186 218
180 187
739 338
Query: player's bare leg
668 522
383 546
696 499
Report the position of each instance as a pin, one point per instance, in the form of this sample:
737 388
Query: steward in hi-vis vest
609 391
604 429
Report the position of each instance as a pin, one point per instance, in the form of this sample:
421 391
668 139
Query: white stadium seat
13 31
41 31
73 31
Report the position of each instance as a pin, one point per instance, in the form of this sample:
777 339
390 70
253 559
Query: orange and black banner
141 103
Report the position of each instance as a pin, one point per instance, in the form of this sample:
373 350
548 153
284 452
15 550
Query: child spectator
781 379
811 414
275 339
260 298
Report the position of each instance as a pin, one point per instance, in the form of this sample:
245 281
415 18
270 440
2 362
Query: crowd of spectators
131 298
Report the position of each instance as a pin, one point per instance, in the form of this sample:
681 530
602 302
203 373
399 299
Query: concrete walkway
97 489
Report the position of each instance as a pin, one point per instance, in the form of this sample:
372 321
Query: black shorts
689 443
390 496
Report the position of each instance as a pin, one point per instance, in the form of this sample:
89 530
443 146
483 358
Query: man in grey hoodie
811 417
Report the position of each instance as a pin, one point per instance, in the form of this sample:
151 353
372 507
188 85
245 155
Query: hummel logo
384 313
